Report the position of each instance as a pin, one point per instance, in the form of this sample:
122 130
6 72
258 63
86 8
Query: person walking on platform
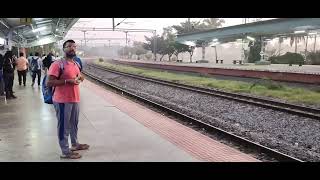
29 59
47 61
8 74
22 67
66 99
1 76
36 66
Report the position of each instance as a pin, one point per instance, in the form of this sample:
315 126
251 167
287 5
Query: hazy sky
134 23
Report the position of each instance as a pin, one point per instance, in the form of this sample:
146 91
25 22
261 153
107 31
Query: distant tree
197 26
138 49
169 38
160 45
180 48
211 23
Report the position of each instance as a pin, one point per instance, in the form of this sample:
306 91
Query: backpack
34 64
78 60
48 92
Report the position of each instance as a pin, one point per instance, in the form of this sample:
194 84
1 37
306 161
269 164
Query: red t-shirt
68 92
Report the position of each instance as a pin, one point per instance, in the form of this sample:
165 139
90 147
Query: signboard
25 21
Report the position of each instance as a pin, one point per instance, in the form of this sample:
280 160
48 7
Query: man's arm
53 81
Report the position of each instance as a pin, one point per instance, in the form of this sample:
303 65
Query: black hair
36 54
8 55
31 54
70 40
21 54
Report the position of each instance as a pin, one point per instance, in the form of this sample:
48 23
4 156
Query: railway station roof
30 32
281 27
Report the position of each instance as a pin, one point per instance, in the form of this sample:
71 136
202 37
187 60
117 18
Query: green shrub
314 58
268 83
288 58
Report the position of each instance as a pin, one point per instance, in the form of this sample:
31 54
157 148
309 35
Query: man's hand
73 81
81 78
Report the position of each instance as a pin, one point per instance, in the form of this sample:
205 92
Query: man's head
21 54
69 48
8 54
36 54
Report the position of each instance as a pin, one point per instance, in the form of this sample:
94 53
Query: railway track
209 128
266 103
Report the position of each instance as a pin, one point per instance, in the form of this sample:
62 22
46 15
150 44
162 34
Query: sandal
80 147
71 155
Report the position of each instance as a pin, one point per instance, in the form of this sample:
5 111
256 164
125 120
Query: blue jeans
68 119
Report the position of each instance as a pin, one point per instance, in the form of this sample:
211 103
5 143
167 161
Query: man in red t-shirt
66 100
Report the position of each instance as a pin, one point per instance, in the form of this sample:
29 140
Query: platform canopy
281 27
28 32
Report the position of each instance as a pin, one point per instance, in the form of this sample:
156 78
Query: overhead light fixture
45 40
277 38
312 33
299 32
41 22
39 29
2 41
57 29
38 19
267 39
37 36
251 38
214 43
214 40
190 43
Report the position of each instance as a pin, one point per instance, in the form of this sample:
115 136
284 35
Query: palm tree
212 23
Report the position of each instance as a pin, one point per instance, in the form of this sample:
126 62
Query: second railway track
226 135
275 105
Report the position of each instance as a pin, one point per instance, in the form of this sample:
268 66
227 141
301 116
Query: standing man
47 61
22 68
8 74
1 77
66 100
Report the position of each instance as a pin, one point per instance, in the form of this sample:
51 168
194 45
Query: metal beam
109 29
98 38
263 28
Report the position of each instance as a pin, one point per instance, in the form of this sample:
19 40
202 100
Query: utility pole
84 37
315 41
126 37
113 24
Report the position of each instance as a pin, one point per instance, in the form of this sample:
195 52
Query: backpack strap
76 62
61 69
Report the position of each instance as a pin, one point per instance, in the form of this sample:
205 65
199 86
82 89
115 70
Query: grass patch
261 87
